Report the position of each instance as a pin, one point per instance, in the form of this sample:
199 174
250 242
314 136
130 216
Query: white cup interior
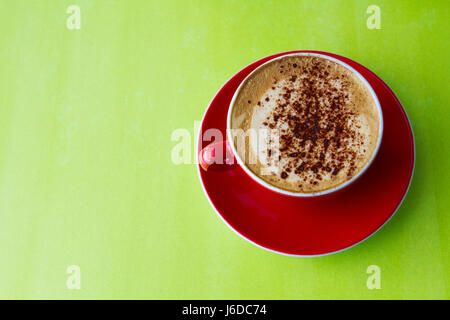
299 194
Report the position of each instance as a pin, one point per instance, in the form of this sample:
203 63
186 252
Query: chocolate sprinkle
313 110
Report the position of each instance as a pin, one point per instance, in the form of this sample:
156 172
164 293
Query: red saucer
313 226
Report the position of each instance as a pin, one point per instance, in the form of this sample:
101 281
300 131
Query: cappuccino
313 123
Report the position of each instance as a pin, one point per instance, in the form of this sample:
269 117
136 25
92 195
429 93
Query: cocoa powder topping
315 124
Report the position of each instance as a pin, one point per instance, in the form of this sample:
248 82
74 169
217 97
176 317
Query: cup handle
217 153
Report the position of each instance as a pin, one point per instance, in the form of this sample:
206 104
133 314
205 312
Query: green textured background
86 118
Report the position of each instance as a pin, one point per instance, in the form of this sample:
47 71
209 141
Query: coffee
320 123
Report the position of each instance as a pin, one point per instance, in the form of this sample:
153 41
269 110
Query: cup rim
302 194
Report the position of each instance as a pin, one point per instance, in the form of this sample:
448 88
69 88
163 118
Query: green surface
86 118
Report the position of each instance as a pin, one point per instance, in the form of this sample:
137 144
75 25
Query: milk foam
264 141
314 123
